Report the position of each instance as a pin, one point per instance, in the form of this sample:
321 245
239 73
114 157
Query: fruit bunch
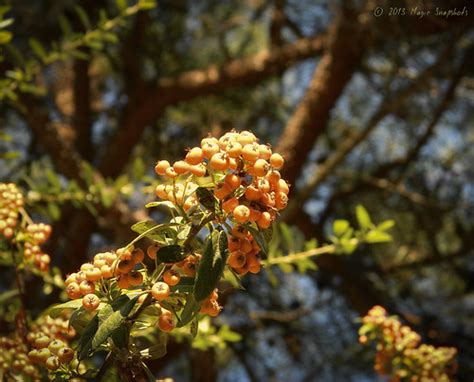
14 362
50 353
243 176
11 200
28 236
399 352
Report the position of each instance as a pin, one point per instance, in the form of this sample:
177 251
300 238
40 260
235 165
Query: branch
347 43
189 85
389 106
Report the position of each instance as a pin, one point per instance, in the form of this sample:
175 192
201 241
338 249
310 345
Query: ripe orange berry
194 156
233 243
246 137
171 277
122 281
160 291
65 355
237 259
233 164
265 151
283 187
152 250
134 278
181 167
239 232
171 173
209 149
234 149
214 308
260 167
242 271
281 200
125 265
55 345
250 153
254 215
265 220
73 290
90 301
137 256
241 213
70 279
93 274
264 185
198 170
255 268
229 205
86 287
226 139
223 191
273 177
245 246
166 321
189 266
233 181
267 199
252 193
52 363
277 161
161 167
107 271
209 139
219 162
86 267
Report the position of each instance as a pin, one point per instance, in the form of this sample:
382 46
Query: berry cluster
400 354
29 234
11 200
243 251
50 353
14 362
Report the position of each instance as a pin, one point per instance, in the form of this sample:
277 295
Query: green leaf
155 351
150 229
83 17
38 48
5 37
114 321
56 310
259 238
190 309
65 25
171 254
387 224
6 23
206 198
363 217
165 203
54 211
212 265
339 227
377 237
86 338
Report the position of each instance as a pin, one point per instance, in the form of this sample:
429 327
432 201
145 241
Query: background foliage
367 110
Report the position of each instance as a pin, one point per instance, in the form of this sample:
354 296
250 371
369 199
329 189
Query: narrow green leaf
339 227
56 310
190 309
206 198
212 265
259 238
65 25
83 17
87 336
363 217
37 47
377 237
387 224
114 321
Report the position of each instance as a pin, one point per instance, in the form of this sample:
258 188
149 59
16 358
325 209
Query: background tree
371 110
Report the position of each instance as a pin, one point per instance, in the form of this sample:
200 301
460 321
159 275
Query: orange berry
250 153
246 137
73 290
265 220
267 199
160 291
160 191
229 205
233 181
233 243
241 213
198 170
134 278
171 173
239 232
90 301
107 271
252 259
265 151
233 164
171 277
161 167
219 162
137 256
214 309
166 321
122 281
254 215
260 167
65 355
223 191
86 267
281 200
86 287
242 271
70 279
125 265
189 267
181 167
209 139
283 187
152 250
264 185
209 149
252 193
194 156
277 161
234 149
245 246
237 259
93 274
273 177
226 139
255 268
